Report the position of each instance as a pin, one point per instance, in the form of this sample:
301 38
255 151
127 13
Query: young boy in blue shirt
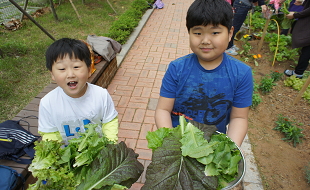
208 86
64 111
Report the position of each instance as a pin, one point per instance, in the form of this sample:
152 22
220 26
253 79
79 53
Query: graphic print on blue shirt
202 108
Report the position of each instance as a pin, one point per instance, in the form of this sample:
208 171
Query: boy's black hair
204 12
67 46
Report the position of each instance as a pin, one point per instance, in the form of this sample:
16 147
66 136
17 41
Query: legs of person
241 12
303 60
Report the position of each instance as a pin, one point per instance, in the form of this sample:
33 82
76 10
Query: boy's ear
230 33
53 78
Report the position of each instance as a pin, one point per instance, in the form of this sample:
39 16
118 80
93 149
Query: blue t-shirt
207 96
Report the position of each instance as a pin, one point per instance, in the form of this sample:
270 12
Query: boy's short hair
67 46
204 12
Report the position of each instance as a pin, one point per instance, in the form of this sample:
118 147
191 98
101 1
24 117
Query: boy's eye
62 69
197 33
214 33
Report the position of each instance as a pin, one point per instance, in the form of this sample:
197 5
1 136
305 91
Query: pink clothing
276 4
229 1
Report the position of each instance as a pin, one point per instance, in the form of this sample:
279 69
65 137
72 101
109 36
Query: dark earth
281 165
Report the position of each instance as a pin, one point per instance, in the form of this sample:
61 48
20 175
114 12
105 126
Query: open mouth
72 84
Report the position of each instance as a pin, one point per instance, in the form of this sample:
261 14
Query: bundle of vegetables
88 162
286 23
191 157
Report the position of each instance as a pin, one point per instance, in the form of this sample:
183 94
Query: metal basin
241 173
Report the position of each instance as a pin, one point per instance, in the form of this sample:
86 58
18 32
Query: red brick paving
136 85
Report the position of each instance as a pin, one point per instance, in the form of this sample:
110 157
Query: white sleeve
45 118
109 113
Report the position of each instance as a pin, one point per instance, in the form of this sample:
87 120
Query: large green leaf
194 144
115 164
170 170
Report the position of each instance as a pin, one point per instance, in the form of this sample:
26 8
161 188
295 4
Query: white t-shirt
60 112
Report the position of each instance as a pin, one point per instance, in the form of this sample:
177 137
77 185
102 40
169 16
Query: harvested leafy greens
88 162
183 158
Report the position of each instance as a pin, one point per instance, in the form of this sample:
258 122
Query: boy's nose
70 73
206 41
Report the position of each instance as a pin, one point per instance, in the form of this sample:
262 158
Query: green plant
297 84
276 75
185 149
291 132
266 84
246 47
283 52
122 28
88 162
256 98
307 171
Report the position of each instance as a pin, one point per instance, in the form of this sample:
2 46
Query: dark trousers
303 60
241 12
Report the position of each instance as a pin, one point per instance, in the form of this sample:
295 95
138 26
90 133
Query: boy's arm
110 129
163 112
238 125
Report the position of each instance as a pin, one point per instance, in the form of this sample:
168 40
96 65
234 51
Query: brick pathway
135 87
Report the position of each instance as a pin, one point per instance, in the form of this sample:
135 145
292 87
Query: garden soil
281 165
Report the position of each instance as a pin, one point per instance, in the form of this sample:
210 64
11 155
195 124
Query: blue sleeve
244 92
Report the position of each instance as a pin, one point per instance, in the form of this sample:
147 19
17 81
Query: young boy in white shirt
64 111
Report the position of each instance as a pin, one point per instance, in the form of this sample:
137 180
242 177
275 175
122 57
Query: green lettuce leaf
46 155
60 167
155 139
194 144
189 157
115 164
170 170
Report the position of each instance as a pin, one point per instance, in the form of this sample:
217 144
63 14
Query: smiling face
71 75
208 43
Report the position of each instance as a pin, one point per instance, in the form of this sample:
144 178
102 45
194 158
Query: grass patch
22 68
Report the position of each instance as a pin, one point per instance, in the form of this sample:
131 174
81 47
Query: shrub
122 28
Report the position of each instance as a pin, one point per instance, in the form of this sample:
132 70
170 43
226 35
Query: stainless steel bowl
241 173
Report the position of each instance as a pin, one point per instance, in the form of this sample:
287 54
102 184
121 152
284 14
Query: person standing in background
301 38
241 8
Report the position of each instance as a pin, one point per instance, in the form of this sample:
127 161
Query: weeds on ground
276 75
256 98
266 84
307 171
292 133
